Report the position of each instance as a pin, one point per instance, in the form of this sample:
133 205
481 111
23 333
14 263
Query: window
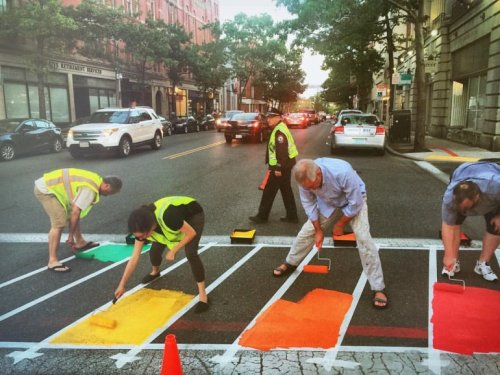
16 100
475 103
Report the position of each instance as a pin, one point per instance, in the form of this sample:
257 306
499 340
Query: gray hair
115 183
305 169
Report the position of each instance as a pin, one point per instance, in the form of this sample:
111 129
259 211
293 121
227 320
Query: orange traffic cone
171 361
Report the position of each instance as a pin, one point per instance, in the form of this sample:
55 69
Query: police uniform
280 156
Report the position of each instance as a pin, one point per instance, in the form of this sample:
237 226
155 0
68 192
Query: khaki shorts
53 208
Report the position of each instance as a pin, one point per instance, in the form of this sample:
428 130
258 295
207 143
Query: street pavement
398 340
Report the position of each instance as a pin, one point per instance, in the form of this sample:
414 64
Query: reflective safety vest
292 149
169 236
65 183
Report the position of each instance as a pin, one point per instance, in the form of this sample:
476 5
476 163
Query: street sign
405 79
381 90
430 66
395 79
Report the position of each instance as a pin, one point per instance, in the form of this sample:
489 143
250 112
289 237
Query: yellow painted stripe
137 317
458 159
187 152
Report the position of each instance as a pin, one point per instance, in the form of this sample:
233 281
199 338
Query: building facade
77 86
462 63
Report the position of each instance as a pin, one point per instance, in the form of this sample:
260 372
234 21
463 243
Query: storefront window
34 102
94 100
458 105
475 103
60 104
103 99
16 100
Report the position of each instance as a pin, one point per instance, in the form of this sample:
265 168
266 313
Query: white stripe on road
441 176
187 152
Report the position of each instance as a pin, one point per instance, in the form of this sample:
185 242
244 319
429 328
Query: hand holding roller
318 268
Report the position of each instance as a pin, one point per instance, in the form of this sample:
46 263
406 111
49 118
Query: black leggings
197 222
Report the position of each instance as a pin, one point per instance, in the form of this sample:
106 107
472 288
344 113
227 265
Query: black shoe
287 219
257 219
148 278
201 307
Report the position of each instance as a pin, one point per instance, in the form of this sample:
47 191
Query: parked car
247 125
221 122
358 130
343 113
186 124
167 126
20 136
207 122
116 129
311 115
297 119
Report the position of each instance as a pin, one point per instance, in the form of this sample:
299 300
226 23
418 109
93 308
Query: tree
208 64
249 40
45 26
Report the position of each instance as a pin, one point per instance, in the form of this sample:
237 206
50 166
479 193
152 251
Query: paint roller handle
316 248
114 300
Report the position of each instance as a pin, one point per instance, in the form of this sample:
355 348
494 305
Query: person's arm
309 203
281 152
319 236
130 268
338 228
73 224
451 242
189 234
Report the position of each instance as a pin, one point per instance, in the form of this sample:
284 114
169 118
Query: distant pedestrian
474 190
280 157
332 192
174 223
67 195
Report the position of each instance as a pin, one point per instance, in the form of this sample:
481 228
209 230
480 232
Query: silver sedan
358 130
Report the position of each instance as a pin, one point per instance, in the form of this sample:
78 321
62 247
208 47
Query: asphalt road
404 208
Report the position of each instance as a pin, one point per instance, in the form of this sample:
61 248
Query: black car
247 125
167 126
19 136
207 122
186 125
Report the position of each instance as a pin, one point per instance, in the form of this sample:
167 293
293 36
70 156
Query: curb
405 156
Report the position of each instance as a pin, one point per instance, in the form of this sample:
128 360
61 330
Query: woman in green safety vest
173 222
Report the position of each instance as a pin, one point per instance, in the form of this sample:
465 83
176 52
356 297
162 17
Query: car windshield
244 117
359 120
8 126
110 117
229 115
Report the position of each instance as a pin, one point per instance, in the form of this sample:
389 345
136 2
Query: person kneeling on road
331 191
474 190
174 222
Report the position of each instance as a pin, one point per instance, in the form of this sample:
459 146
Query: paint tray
243 236
347 239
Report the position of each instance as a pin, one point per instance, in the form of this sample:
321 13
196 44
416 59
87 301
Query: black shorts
487 217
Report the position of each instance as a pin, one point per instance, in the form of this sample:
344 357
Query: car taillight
254 124
380 130
338 130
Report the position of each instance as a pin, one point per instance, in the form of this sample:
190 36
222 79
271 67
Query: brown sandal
280 272
380 300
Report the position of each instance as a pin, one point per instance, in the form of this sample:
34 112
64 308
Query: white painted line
330 358
433 357
122 359
441 176
229 354
19 356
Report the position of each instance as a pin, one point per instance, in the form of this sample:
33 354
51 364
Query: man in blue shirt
332 192
474 190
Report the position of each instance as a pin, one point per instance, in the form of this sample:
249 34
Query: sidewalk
442 150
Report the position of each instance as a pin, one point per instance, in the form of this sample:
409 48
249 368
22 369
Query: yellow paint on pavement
137 317
187 152
457 159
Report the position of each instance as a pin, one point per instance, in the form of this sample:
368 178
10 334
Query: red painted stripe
445 149
369 331
401 332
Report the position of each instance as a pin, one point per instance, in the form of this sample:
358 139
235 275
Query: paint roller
318 268
97 319
453 288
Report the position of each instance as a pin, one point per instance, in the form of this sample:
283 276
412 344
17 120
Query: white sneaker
484 269
453 271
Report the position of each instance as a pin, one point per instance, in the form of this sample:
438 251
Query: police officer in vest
280 156
173 222
67 195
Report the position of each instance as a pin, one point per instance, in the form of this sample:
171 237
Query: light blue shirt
341 188
487 177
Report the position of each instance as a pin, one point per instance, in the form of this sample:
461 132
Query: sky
311 64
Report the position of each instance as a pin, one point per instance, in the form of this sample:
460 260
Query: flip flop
380 300
87 246
59 268
279 272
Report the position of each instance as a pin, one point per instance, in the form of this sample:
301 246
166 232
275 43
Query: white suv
118 129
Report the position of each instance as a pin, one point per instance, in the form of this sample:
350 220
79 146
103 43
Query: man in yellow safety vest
67 195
